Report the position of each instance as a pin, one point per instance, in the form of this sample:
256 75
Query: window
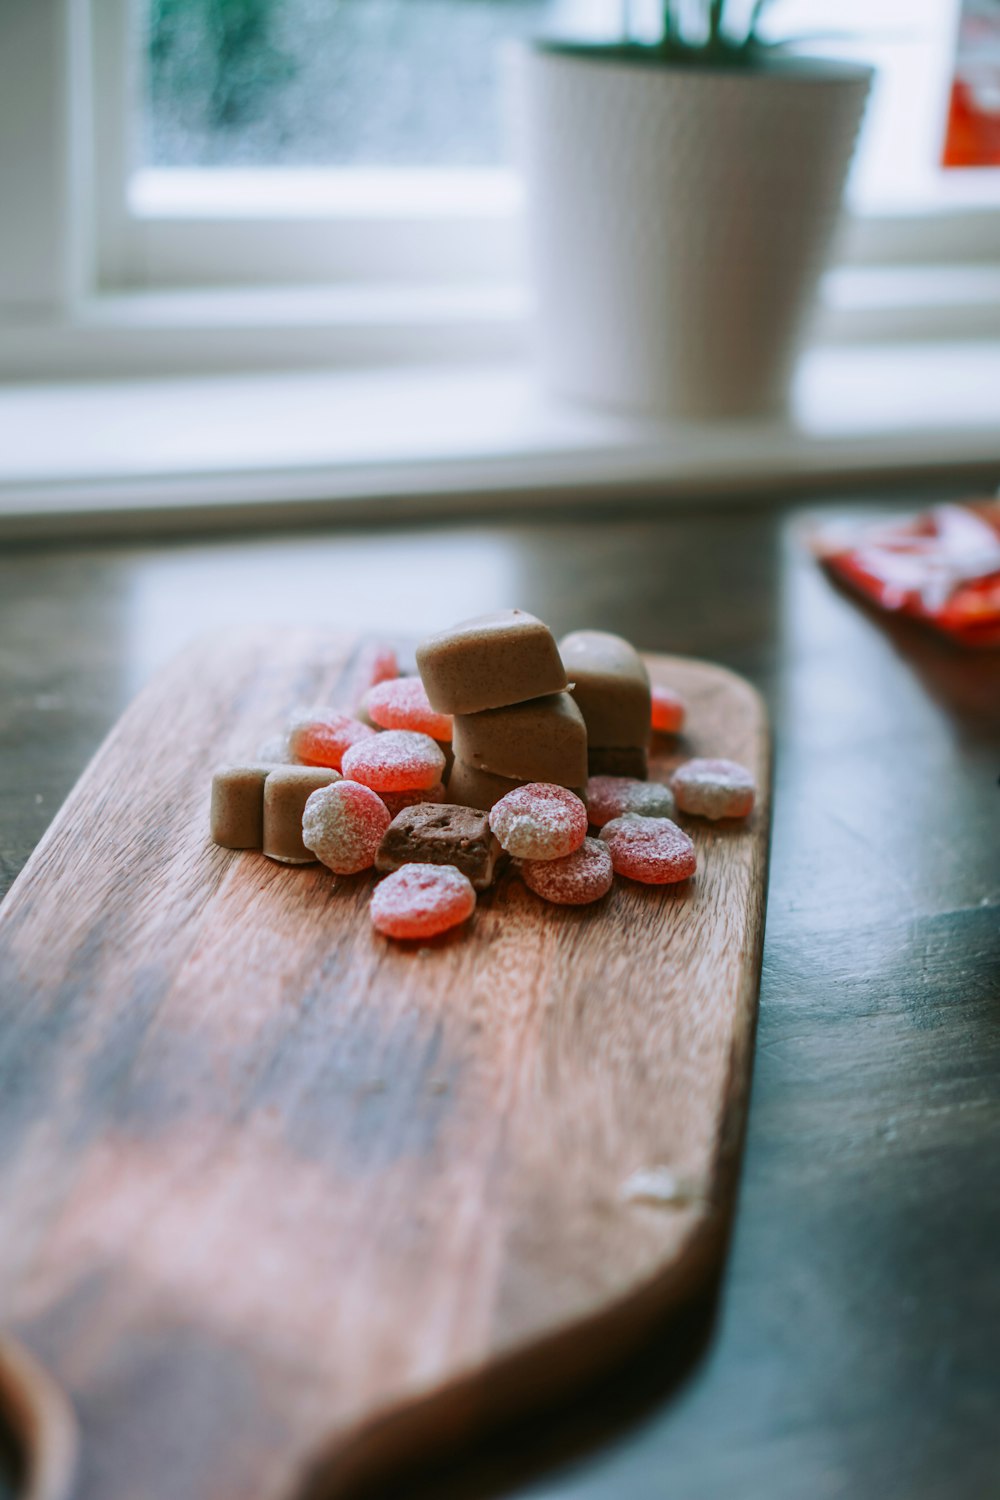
360 146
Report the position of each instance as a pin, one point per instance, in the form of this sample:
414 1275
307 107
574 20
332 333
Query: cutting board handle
41 1422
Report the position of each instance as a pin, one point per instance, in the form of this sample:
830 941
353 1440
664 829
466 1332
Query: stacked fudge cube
503 680
611 689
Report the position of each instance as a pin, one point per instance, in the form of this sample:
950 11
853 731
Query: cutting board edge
537 1375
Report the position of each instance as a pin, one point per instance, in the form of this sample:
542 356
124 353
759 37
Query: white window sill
215 330
411 440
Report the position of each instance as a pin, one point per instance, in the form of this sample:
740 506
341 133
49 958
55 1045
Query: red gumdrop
403 704
419 901
714 788
396 760
652 850
539 821
384 666
320 737
668 712
574 880
613 796
343 825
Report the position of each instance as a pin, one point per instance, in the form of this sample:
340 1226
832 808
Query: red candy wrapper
942 567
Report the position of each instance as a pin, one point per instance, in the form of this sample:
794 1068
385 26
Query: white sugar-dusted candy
343 825
539 821
714 788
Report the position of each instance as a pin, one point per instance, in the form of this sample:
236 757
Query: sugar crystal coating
539 821
342 825
652 850
398 760
668 712
320 736
714 788
402 704
574 880
613 796
419 901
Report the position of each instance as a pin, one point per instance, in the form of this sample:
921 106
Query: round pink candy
403 704
397 760
613 796
539 821
574 880
343 825
714 788
320 737
652 850
419 901
668 711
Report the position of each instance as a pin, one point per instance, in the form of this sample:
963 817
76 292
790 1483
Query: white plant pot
678 222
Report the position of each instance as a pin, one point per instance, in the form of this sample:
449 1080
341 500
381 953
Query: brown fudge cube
237 817
441 833
544 739
618 760
490 661
611 687
286 792
471 788
474 788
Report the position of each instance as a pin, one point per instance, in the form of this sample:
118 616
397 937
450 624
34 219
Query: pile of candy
506 748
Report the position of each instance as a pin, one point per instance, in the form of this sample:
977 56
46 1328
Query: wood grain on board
281 1201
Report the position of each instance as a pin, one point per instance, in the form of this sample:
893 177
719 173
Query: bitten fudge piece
490 661
611 687
238 805
542 740
286 792
441 833
620 761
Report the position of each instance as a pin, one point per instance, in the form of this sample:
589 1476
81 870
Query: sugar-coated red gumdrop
669 711
653 850
419 901
403 704
320 737
384 666
343 825
613 796
396 801
539 821
574 880
714 788
397 760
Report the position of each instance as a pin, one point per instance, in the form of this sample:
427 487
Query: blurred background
229 190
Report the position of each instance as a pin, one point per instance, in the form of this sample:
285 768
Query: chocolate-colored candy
544 739
480 789
472 788
238 805
611 687
619 760
441 833
286 792
490 661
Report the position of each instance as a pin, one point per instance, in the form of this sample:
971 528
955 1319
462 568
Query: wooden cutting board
280 1202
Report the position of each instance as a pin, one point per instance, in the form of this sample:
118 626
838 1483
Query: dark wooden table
854 1348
